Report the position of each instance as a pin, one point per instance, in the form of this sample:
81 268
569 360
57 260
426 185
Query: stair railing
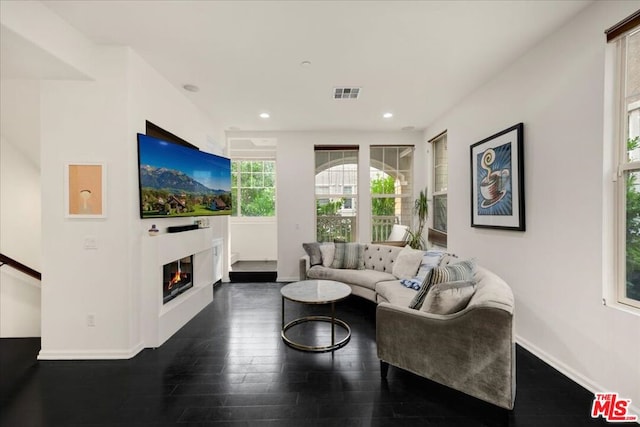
5 260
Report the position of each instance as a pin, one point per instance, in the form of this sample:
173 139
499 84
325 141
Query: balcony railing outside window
381 227
336 227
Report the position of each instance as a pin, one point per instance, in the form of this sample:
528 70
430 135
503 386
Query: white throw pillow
328 250
449 297
407 263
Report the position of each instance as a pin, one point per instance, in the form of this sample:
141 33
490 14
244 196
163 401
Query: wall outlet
91 319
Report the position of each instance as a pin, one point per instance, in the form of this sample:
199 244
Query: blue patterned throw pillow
411 283
463 270
430 260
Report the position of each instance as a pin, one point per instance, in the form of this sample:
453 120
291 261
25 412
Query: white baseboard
288 279
235 257
571 373
90 354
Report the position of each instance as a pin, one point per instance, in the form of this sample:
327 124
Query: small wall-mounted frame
497 181
85 191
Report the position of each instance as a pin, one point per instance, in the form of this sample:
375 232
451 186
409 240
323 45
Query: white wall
95 119
295 162
53 44
20 120
98 121
87 122
555 267
19 207
254 239
150 97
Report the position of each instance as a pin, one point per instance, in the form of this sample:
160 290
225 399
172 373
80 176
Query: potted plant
421 211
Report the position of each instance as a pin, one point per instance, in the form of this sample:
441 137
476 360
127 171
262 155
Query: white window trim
435 193
621 224
353 212
615 137
249 219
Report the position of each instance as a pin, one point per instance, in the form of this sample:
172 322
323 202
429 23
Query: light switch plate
90 242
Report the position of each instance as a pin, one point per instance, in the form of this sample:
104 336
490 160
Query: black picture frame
497 181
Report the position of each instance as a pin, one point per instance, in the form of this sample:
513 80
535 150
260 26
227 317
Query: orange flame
176 279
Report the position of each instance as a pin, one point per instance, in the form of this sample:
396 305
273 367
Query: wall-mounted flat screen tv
176 181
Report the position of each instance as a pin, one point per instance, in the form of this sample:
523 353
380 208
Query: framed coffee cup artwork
497 181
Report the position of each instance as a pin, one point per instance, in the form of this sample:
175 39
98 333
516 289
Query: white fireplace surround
160 321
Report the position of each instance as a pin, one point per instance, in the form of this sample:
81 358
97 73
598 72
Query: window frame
623 167
405 197
354 186
237 203
439 235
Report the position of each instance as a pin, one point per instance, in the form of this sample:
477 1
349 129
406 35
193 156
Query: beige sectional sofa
471 350
378 267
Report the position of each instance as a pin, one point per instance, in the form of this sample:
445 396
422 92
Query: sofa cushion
364 278
353 256
349 256
447 259
463 270
327 250
430 259
313 250
338 255
491 289
380 257
393 292
407 263
449 297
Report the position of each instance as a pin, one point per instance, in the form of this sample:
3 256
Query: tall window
336 190
391 178
628 182
253 187
440 182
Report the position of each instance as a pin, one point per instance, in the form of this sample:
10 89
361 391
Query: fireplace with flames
177 277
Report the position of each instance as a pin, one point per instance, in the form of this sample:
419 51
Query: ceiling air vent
346 92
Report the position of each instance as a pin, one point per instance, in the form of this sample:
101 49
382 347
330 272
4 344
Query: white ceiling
416 59
22 59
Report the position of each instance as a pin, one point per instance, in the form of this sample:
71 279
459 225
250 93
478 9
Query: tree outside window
253 188
632 225
391 185
336 185
628 203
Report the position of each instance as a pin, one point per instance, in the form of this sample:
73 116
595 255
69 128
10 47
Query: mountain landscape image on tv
177 181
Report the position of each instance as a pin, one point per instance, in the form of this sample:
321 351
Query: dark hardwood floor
229 367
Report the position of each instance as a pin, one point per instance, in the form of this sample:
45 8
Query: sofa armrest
472 351
305 265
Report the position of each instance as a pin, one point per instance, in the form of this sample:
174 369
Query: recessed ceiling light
191 88
264 115
387 115
305 64
407 128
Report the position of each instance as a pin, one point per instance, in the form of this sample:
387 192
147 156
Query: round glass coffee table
316 292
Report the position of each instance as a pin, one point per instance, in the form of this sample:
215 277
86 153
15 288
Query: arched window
336 191
391 182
